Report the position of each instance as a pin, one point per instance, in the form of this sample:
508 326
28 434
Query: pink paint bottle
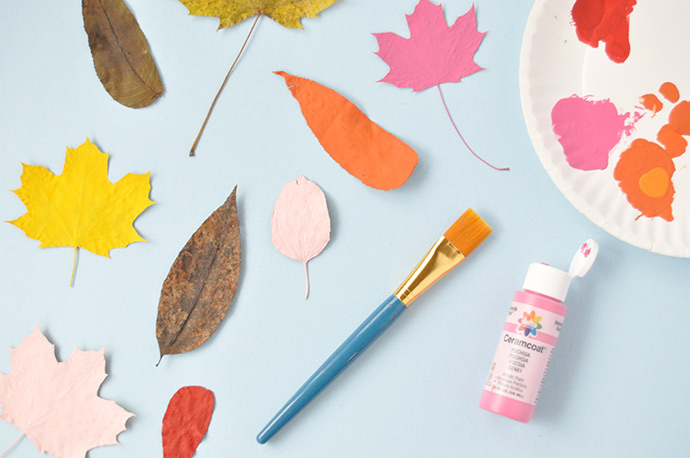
529 337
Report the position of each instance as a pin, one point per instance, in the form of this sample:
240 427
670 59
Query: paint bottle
529 337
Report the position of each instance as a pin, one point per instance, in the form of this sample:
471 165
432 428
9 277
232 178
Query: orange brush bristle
467 232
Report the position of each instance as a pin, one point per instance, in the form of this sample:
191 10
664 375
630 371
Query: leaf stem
306 274
213 104
12 445
74 269
461 137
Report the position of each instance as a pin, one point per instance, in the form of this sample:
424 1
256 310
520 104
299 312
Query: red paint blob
604 21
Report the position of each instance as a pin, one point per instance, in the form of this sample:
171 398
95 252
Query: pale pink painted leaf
300 225
434 53
56 405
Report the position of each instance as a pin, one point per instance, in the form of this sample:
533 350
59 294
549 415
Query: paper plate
555 64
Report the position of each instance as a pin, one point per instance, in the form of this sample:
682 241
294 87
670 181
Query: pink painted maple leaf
434 54
56 405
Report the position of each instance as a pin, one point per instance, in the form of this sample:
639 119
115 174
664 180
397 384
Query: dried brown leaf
201 283
121 53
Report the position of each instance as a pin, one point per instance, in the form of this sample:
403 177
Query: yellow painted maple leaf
81 208
231 12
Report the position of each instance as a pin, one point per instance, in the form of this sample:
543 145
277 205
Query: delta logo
529 323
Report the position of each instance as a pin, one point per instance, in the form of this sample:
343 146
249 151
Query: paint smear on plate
589 129
644 173
674 143
645 169
652 103
670 135
604 21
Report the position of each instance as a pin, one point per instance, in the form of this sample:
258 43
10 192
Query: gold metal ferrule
440 260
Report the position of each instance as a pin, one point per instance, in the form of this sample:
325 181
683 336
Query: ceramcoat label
524 350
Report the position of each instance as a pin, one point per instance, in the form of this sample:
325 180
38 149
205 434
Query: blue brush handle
348 351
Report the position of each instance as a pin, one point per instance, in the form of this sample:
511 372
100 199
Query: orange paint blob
674 143
651 103
670 92
679 118
642 158
655 182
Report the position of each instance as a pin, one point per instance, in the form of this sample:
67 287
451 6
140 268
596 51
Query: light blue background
618 383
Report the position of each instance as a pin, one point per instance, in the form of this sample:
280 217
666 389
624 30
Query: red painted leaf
186 421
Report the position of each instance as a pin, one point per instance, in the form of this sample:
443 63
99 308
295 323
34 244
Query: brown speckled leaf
201 283
121 53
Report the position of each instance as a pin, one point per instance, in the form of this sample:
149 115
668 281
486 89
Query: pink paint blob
589 129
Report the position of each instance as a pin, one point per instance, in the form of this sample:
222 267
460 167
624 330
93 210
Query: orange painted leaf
373 155
186 421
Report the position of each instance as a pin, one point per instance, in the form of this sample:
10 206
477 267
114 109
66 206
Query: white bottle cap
552 282
547 280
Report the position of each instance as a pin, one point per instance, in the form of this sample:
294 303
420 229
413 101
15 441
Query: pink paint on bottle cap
529 336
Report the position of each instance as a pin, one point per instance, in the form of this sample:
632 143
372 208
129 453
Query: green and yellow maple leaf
230 12
81 208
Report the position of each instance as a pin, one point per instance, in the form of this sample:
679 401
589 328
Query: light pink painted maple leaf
434 54
56 404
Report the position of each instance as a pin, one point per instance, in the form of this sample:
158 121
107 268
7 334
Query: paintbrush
448 251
